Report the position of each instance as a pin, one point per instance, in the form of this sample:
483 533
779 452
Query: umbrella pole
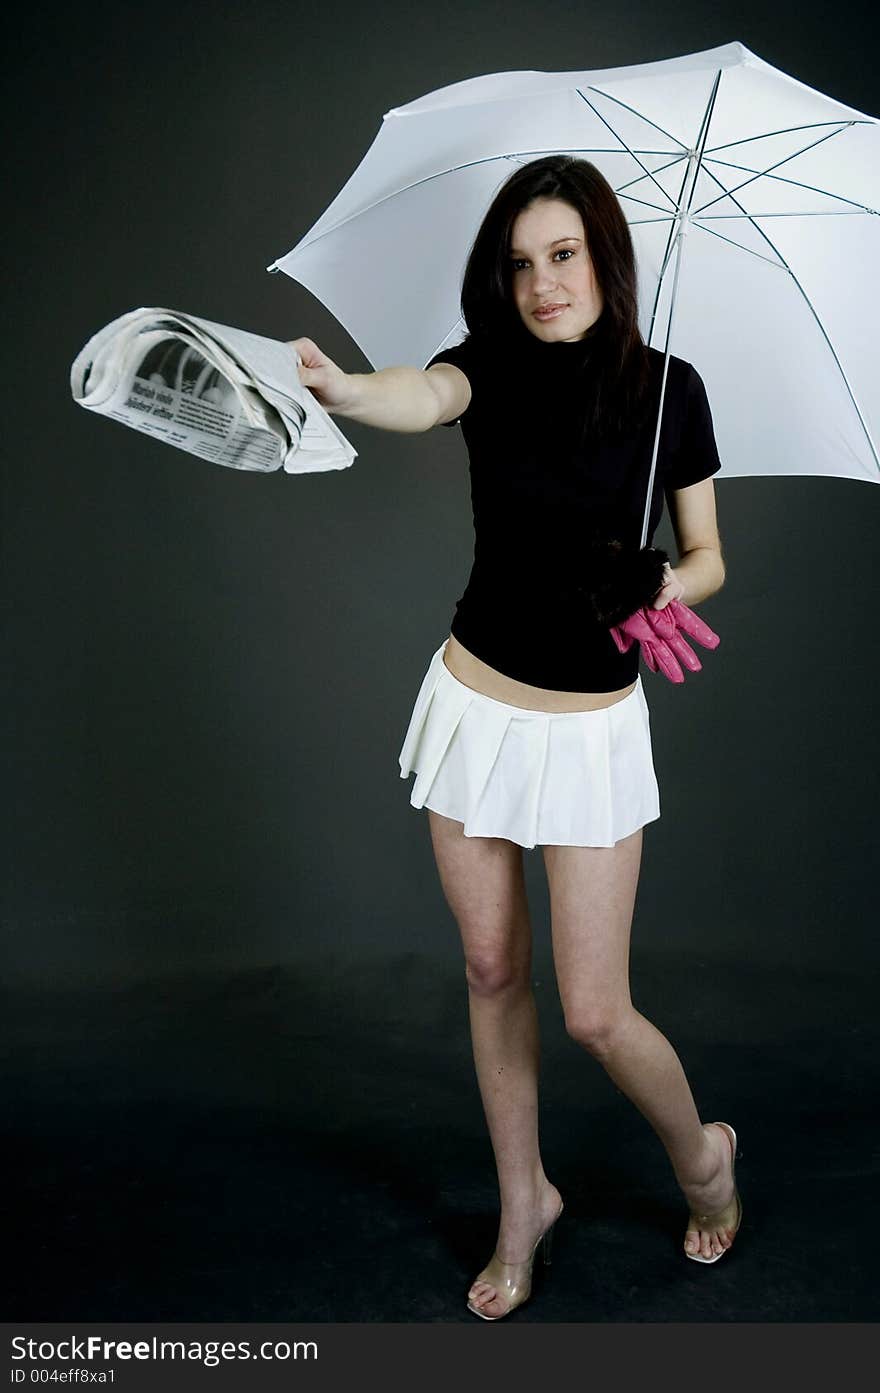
679 238
683 214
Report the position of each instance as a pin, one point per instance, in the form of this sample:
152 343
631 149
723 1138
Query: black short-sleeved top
536 490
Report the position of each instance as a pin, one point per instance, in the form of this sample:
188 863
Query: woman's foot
715 1207
505 1281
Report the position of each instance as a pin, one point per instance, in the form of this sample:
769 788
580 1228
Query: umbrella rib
630 198
589 150
456 169
761 173
786 130
641 115
619 189
731 241
811 307
619 137
797 213
660 169
796 183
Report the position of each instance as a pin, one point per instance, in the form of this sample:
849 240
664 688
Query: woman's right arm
401 399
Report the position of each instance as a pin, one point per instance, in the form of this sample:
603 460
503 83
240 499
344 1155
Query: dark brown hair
618 367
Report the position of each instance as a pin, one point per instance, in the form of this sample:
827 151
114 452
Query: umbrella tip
742 49
730 54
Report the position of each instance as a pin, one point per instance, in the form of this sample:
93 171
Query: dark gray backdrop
208 673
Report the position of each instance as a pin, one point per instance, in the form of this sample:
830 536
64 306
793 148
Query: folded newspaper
228 396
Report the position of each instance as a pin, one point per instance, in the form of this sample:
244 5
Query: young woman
531 727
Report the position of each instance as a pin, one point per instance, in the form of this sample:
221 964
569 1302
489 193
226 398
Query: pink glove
662 645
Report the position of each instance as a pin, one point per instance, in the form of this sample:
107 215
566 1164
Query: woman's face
550 266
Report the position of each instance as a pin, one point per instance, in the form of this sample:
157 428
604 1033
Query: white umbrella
752 200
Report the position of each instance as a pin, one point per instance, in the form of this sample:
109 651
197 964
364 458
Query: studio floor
294 1143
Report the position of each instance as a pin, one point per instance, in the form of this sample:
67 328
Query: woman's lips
550 312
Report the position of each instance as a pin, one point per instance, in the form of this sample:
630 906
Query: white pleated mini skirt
538 778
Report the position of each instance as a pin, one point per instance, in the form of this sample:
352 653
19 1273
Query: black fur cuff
622 579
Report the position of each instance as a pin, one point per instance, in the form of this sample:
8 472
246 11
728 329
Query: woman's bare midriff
487 680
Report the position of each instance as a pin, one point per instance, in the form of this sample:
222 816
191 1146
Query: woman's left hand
672 589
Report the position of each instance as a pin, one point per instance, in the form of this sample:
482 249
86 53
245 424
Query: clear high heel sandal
513 1280
698 1221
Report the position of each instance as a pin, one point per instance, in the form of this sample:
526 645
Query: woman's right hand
320 374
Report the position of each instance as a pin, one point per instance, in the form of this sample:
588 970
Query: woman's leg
592 895
484 884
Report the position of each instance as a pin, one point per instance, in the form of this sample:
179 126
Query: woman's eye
563 251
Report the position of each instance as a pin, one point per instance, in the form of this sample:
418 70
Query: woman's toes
483 1295
488 1300
702 1243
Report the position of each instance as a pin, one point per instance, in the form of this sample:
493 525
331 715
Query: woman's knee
598 1027
491 971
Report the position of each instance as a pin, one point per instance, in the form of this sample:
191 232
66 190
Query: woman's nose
543 279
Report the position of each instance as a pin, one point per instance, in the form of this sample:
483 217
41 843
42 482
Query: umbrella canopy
753 205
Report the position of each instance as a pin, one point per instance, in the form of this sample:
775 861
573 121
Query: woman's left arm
700 570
